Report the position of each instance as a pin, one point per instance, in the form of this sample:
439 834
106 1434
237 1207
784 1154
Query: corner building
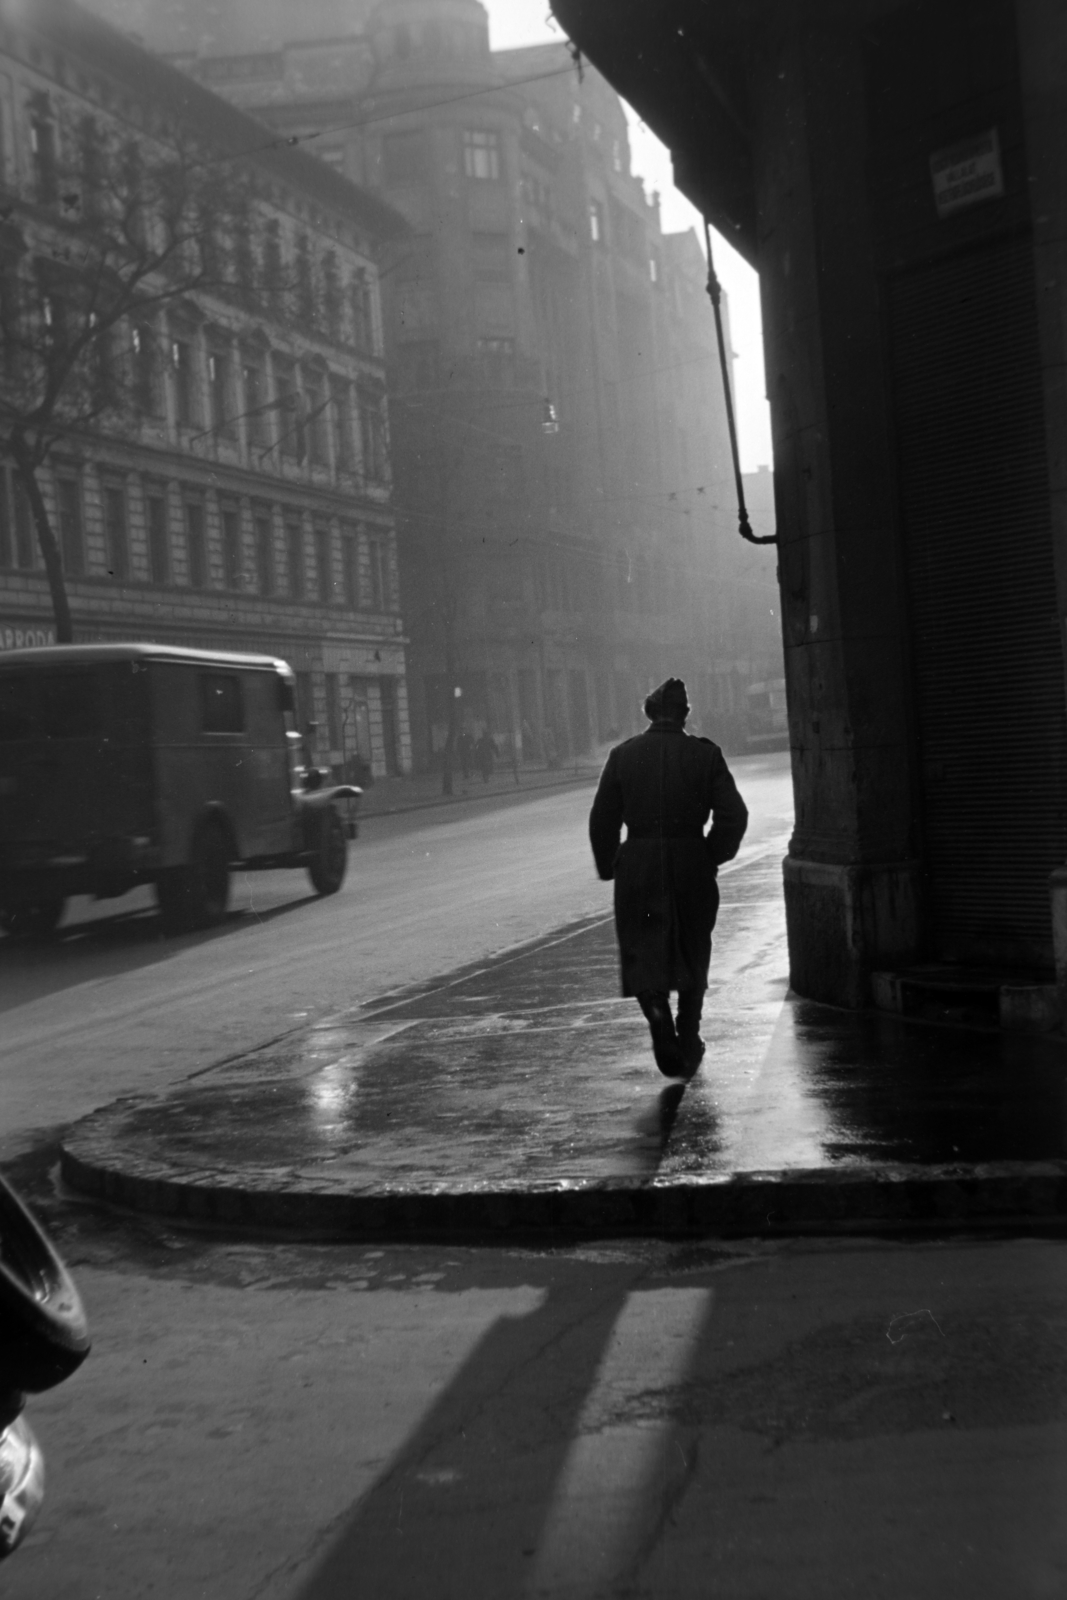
563 490
251 507
897 174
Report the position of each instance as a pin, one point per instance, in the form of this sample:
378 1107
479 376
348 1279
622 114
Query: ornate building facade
248 506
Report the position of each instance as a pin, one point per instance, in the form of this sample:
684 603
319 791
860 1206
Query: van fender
314 799
311 804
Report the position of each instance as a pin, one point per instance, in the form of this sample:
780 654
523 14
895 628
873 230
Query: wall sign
20 636
966 173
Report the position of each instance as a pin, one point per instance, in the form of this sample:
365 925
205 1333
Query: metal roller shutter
988 666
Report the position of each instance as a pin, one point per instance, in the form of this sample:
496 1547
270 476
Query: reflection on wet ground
531 1072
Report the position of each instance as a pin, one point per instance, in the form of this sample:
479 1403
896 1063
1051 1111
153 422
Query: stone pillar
1042 28
851 876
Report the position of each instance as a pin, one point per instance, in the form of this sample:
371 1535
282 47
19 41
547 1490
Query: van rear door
75 777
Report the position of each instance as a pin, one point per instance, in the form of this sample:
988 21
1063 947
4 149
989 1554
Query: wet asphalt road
114 1007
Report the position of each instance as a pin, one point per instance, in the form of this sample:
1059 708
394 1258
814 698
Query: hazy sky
518 22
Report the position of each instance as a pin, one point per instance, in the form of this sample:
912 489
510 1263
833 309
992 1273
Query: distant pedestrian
663 785
465 747
485 751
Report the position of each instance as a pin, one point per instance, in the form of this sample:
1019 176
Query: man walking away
663 785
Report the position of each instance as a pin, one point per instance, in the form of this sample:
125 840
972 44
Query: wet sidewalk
521 1096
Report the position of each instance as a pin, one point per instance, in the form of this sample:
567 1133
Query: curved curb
820 1200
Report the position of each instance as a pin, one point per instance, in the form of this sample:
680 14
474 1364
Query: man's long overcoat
663 785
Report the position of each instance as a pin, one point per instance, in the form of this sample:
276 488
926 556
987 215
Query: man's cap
669 700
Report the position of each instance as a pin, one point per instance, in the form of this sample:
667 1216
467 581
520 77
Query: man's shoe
669 1058
692 1052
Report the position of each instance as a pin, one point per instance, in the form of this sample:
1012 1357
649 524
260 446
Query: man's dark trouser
690 1006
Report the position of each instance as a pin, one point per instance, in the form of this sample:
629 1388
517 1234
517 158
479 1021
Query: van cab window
221 703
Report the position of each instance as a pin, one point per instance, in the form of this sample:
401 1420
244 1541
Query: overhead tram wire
294 140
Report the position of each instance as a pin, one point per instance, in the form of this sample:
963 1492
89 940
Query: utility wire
292 140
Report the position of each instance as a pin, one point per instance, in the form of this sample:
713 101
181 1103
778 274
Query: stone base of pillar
845 922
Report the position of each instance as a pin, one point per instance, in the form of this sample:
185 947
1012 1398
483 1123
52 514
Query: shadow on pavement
664 1432
496 1444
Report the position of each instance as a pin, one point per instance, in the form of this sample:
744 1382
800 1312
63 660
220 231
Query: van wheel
44 1336
326 869
196 895
32 919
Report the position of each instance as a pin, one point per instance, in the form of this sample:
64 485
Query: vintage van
125 764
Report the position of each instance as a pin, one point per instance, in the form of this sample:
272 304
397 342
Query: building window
273 268
244 258
331 295
115 534
318 432
304 284
653 269
43 150
158 552
350 567
378 573
294 551
196 544
265 552
342 424
181 355
481 153
255 385
7 544
404 156
323 572
362 317
372 435
25 543
231 546
222 417
596 222
213 249
616 155
71 542
290 427
145 374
